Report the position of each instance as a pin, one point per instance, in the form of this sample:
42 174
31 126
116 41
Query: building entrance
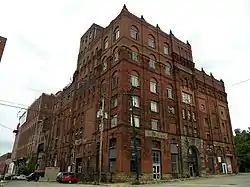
193 161
156 156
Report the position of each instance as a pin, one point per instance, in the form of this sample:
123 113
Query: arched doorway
193 164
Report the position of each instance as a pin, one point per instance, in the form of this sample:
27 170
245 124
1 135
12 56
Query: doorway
156 156
193 161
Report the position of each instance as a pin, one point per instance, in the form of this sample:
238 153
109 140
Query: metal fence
91 174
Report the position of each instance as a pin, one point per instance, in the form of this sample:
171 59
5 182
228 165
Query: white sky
43 41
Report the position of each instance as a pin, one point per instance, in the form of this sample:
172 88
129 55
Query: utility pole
103 115
134 134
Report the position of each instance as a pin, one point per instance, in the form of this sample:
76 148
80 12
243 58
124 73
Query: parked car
33 177
20 177
66 177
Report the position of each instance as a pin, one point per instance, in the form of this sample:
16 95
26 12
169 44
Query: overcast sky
43 42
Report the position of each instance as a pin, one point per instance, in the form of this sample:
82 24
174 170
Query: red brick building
3 165
30 132
181 114
2 46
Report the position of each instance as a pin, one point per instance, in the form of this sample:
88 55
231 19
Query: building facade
2 46
181 114
29 134
3 164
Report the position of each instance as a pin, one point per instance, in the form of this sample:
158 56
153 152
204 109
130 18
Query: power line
13 106
5 101
6 127
241 82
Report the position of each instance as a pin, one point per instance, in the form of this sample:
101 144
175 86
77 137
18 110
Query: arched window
134 32
170 92
152 62
114 80
135 79
104 63
116 54
153 85
168 69
116 33
165 49
135 53
106 43
151 41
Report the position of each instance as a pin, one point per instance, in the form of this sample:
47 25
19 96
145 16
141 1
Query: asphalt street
241 180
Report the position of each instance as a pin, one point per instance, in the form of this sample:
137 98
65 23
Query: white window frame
154 106
136 119
136 101
168 70
153 87
117 34
134 56
183 114
154 124
114 120
152 64
187 98
151 43
134 34
106 44
134 81
166 49
170 93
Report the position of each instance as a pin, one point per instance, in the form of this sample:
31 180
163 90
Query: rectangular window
106 44
136 120
133 34
152 64
183 114
153 87
134 81
154 106
187 98
154 124
193 116
114 102
116 56
134 56
114 121
174 159
165 50
112 155
136 101
114 82
170 93
189 115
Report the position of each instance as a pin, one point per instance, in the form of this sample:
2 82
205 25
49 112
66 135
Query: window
136 101
168 69
171 110
206 122
134 53
152 62
106 43
116 54
112 155
187 98
193 116
166 49
114 102
189 115
134 79
183 114
114 81
154 106
153 86
185 130
170 92
154 124
202 106
134 33
136 120
114 121
174 157
104 64
117 33
151 41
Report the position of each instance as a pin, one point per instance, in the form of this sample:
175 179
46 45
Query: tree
242 145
